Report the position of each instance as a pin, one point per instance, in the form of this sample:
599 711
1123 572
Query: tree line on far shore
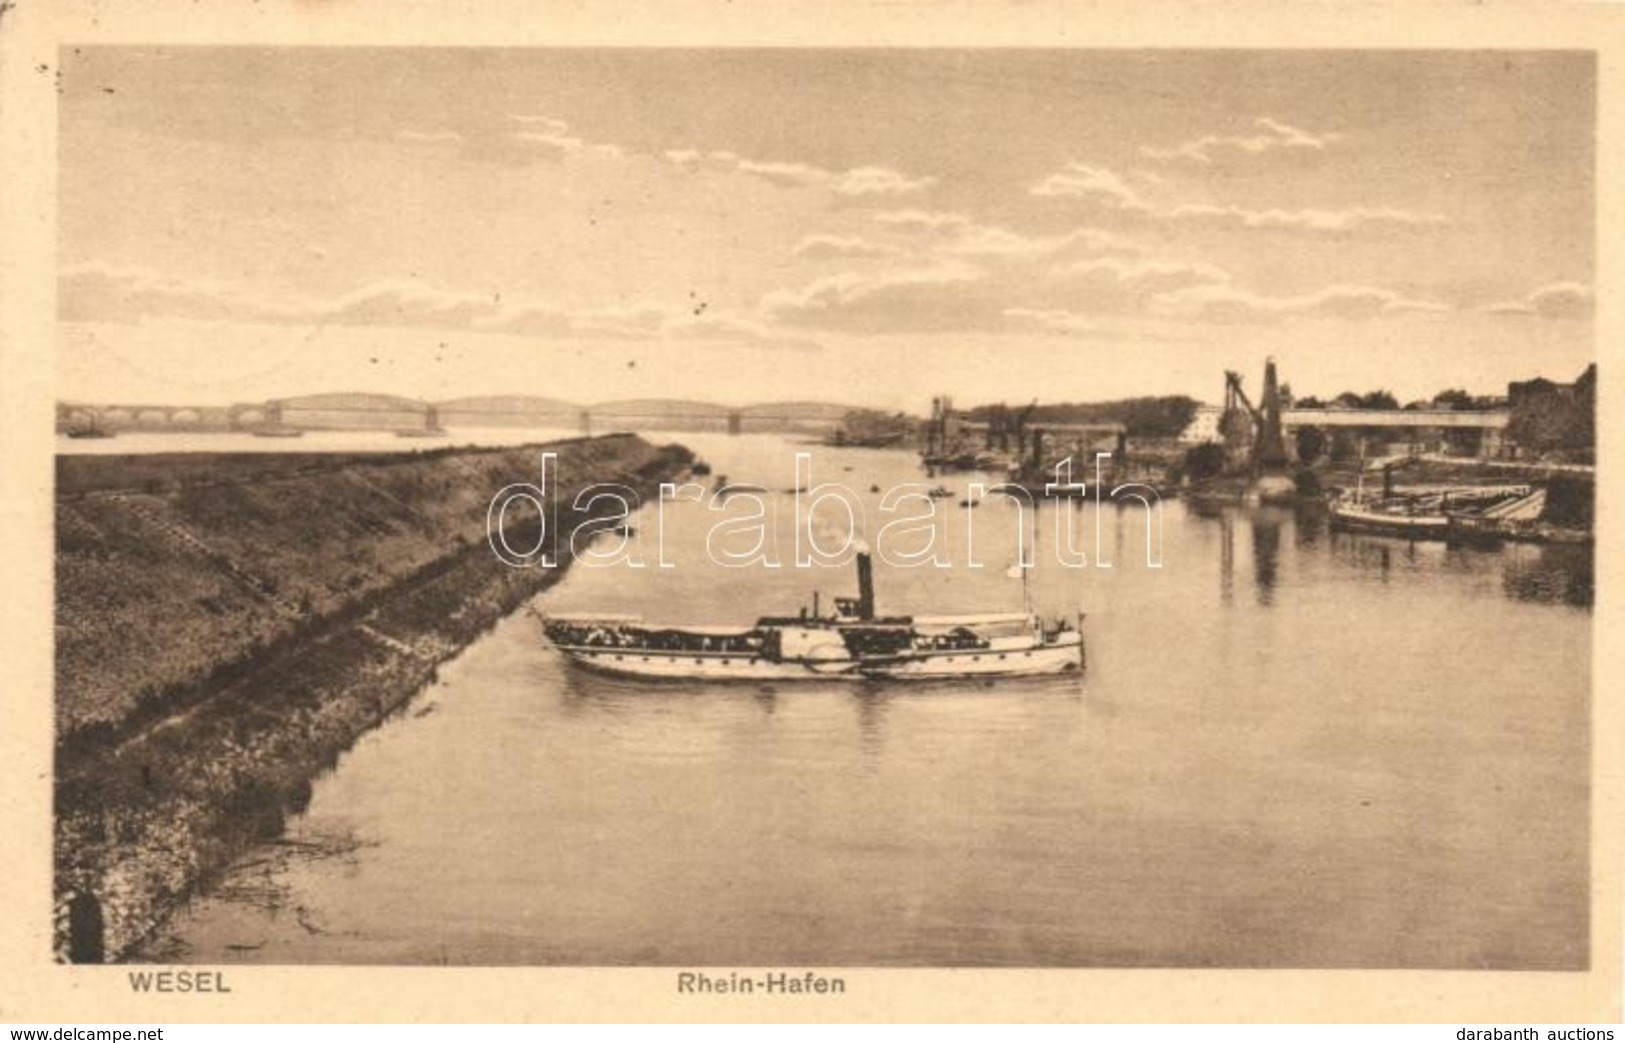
1161 416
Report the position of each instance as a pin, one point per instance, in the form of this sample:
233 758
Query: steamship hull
1018 659
1064 655
853 642
649 664
805 649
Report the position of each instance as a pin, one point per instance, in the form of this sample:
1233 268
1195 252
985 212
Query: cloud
1558 300
1223 302
519 139
1309 220
92 293
880 181
1115 201
942 291
1095 184
791 175
693 158
975 240
733 328
1271 136
1089 297
964 275
1063 322
1117 282
394 303
1165 274
637 322
553 137
1053 320
549 124
851 184
828 247
940 296
97 294
957 234
557 145
920 220
546 320
944 271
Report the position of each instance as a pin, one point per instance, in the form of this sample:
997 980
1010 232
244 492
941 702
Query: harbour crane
1268 451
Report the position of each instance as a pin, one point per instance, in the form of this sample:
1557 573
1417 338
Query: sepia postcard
986 511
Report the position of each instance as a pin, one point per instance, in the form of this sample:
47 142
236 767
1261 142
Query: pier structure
131 416
1415 427
1262 439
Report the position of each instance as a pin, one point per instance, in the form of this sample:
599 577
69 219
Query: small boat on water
1392 517
1513 519
1455 513
279 432
852 642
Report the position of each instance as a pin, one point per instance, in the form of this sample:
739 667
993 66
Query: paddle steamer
851 641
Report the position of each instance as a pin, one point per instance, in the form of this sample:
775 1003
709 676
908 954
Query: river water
1291 748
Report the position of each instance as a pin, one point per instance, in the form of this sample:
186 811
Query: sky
863 226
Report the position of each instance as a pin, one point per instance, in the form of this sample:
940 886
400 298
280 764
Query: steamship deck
851 642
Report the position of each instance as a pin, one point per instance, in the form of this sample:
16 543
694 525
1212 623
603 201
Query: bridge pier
69 416
736 422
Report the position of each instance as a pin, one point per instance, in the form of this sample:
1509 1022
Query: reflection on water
1558 575
1266 523
1554 574
1376 757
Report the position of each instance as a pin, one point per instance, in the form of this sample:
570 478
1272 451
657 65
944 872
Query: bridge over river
371 412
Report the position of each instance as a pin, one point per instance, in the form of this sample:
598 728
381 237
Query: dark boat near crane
1457 513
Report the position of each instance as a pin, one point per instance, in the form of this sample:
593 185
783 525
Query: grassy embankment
228 625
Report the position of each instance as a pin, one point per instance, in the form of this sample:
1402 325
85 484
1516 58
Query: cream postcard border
34 989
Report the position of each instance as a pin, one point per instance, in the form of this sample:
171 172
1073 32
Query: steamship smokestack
866 587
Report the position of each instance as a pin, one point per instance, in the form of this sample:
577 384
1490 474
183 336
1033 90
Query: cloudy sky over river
447 222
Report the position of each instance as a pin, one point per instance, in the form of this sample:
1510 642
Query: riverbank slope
228 625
